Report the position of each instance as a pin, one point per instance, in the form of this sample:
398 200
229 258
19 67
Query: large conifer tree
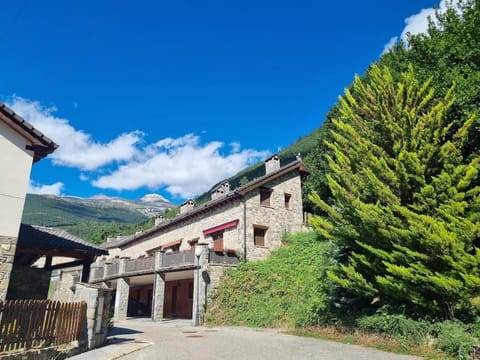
404 204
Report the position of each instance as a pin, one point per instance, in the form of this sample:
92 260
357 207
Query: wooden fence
26 324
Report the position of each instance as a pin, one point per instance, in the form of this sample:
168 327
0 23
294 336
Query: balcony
110 269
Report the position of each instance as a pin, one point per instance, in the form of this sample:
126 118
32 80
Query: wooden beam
48 262
52 252
69 264
86 271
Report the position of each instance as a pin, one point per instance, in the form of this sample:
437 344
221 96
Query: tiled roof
40 144
45 238
296 165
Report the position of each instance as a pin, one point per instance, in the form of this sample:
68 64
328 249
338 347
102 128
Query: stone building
168 270
20 146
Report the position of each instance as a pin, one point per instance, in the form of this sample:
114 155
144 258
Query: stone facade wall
276 217
191 229
64 283
28 283
7 253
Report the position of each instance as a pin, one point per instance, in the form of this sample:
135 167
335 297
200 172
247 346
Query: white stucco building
20 146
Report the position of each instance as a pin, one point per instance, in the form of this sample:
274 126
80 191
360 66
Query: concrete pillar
158 288
121 294
199 283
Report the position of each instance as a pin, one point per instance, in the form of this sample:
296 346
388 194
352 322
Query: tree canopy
404 202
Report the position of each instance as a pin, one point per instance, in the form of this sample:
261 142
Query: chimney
186 206
220 190
272 164
159 219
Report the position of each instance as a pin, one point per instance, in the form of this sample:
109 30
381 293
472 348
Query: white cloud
52 189
77 148
418 23
391 43
183 166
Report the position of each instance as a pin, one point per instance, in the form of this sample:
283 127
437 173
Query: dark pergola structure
35 242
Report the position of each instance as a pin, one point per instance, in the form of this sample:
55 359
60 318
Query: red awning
171 244
220 227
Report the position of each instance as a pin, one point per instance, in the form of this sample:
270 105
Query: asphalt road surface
178 340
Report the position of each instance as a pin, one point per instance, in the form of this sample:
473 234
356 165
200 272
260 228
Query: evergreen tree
404 202
448 53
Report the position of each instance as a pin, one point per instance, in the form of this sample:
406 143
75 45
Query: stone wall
276 217
98 307
191 229
7 253
97 297
28 283
64 282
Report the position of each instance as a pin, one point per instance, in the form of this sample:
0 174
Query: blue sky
171 97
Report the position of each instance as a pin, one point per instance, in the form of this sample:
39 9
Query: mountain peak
153 198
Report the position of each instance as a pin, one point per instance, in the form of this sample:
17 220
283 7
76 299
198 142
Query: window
259 232
265 195
172 246
287 200
218 241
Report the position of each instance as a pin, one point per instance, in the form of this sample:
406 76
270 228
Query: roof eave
41 145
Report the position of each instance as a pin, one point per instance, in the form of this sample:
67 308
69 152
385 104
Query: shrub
405 330
454 339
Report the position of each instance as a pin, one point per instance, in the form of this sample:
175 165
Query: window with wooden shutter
287 200
265 195
218 241
259 233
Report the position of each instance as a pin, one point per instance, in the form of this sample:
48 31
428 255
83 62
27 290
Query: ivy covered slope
287 289
405 205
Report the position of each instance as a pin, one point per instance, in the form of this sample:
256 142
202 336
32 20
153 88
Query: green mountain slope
53 211
93 222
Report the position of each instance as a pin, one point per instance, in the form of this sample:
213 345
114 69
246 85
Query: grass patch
378 341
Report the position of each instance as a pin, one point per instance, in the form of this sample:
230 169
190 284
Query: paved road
177 340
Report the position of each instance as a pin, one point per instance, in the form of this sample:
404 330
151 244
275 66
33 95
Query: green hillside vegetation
287 289
40 210
98 232
92 223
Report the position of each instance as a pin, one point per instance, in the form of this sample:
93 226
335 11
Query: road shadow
116 331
